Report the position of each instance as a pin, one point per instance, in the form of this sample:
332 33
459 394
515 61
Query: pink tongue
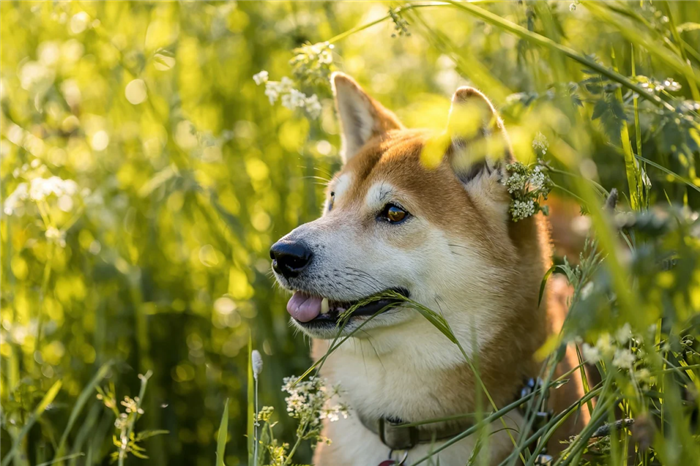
304 307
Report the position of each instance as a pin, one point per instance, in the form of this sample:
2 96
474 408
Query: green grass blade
48 398
63 458
222 437
78 407
636 36
538 39
685 27
543 284
634 180
669 172
251 406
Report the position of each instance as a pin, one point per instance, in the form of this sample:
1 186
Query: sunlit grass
162 174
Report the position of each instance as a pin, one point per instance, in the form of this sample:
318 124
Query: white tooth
324 306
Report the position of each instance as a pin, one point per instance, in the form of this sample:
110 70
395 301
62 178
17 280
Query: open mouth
310 310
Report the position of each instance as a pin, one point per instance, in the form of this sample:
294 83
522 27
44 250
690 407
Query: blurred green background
156 258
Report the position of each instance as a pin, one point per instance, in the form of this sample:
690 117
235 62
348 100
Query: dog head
435 229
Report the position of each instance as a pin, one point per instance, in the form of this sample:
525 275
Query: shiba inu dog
442 236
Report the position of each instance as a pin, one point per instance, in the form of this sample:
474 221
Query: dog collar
398 434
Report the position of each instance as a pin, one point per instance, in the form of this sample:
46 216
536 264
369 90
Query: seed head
257 363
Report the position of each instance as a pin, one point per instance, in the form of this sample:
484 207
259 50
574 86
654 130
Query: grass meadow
146 166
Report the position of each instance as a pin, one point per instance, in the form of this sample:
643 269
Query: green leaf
222 437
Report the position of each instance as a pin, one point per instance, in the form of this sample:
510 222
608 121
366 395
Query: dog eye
394 214
330 202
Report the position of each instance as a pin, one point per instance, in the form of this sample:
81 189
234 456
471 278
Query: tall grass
161 265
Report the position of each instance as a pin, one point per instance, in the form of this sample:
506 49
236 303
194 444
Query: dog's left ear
361 117
479 148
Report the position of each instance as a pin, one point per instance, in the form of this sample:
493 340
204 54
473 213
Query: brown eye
394 214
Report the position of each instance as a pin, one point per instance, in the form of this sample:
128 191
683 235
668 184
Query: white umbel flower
624 359
590 353
261 77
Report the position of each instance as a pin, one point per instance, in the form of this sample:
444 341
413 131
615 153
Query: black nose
289 258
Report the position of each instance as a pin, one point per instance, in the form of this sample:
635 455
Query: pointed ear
361 117
479 142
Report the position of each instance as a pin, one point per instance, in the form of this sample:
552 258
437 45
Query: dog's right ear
361 117
480 150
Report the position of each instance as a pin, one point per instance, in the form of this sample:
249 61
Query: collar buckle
396 437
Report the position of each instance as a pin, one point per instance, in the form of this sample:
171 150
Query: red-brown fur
517 255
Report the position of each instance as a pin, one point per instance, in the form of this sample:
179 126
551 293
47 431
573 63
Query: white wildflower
604 344
671 85
537 178
334 412
15 199
290 97
57 236
286 84
309 401
623 334
260 77
132 405
540 143
122 422
590 353
272 91
313 106
293 99
624 359
516 182
41 188
523 209
311 62
643 375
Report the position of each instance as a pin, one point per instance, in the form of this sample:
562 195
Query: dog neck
425 376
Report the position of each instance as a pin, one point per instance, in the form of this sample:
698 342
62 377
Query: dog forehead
393 161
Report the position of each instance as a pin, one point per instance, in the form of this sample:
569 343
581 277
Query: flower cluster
527 185
290 97
312 62
310 401
540 144
47 197
132 405
400 23
623 350
126 440
655 85
38 190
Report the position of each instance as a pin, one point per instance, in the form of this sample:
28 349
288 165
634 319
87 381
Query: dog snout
290 258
